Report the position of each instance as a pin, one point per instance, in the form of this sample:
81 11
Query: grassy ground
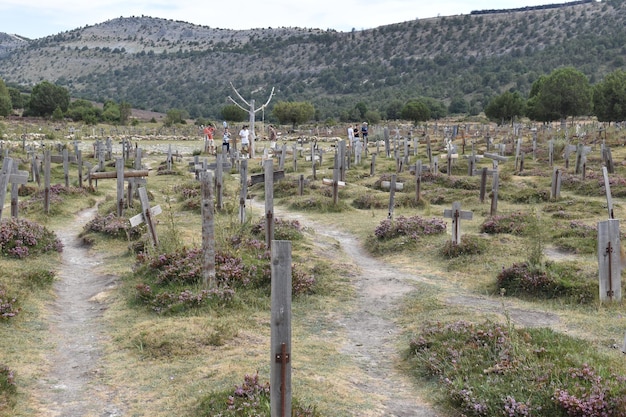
170 363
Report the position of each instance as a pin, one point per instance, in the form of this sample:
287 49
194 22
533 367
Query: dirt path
372 334
72 387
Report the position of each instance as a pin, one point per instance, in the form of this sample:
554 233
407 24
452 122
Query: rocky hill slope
158 64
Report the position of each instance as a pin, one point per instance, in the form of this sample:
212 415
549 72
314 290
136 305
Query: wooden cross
609 262
607 189
147 215
7 175
456 215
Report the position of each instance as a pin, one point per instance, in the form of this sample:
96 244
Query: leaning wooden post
607 189
208 231
243 170
609 262
119 168
280 357
147 216
269 203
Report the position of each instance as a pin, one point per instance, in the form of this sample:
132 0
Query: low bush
251 399
487 369
7 387
513 223
414 227
469 245
8 305
20 238
554 280
113 226
283 229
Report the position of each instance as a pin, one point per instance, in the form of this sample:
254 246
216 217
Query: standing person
350 135
226 142
244 135
273 137
364 132
208 137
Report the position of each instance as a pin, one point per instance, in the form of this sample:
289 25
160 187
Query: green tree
609 97
46 97
111 112
416 111
83 110
294 112
437 109
5 100
234 113
175 116
565 92
458 105
504 107
17 98
126 111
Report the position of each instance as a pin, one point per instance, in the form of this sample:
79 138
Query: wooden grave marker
147 215
8 176
607 189
280 340
456 214
555 188
609 262
208 231
16 179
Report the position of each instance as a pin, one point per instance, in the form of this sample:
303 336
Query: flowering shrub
283 229
413 227
521 279
113 226
593 396
469 245
486 369
7 306
251 399
514 223
20 238
57 191
7 386
167 302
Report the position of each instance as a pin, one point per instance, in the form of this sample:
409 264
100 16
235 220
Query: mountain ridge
157 63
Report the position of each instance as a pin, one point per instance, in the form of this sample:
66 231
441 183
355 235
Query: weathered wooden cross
456 214
147 215
609 261
7 175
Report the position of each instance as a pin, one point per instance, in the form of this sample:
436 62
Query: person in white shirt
350 135
244 135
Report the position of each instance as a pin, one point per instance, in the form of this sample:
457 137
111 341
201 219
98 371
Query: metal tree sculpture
251 111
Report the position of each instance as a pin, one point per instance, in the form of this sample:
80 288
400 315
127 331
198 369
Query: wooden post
119 169
79 160
269 203
46 176
219 180
301 185
418 181
609 260
66 167
243 170
208 231
607 189
280 356
336 179
373 165
392 193
555 189
494 195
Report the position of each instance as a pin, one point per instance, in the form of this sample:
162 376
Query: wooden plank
387 185
496 157
258 178
113 174
138 219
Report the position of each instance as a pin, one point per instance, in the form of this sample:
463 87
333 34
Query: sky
36 18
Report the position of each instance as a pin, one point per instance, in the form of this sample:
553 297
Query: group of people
244 137
354 132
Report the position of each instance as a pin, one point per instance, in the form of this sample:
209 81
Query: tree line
565 92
